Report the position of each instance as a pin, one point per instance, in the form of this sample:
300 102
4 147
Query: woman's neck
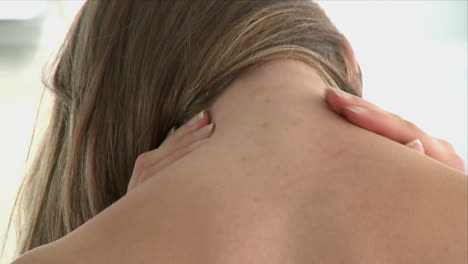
282 179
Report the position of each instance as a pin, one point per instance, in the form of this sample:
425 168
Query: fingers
373 118
178 138
199 120
177 144
170 159
338 99
186 144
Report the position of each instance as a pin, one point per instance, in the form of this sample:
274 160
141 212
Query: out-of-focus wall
413 55
30 32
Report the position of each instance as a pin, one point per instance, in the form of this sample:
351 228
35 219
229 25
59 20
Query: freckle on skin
244 159
264 125
337 153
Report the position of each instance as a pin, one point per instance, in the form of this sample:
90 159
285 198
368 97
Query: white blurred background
413 55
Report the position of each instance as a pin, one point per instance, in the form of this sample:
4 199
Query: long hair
129 70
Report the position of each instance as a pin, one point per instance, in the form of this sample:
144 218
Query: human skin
176 145
283 181
373 118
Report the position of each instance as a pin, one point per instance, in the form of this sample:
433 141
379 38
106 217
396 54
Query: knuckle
395 115
410 125
444 142
142 158
140 163
138 170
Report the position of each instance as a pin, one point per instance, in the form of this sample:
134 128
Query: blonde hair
130 70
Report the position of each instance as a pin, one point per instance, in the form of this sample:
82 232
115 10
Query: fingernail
341 93
203 131
416 144
196 118
171 131
356 109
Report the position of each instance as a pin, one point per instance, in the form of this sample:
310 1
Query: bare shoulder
289 178
387 204
327 186
284 180
42 254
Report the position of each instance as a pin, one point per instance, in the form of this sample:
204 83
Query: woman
282 179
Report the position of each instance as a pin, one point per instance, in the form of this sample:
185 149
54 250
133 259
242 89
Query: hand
177 144
373 118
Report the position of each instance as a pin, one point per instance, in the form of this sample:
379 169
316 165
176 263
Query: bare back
284 180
